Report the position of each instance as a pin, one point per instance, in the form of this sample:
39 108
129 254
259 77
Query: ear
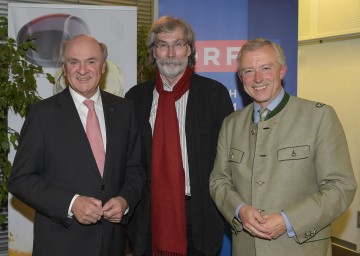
153 53
189 50
63 69
103 68
283 71
240 77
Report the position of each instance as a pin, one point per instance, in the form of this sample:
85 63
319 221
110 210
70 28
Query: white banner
116 26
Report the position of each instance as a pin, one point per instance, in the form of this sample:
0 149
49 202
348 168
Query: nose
82 68
170 50
257 77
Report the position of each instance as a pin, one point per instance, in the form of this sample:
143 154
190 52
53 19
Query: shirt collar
272 105
79 99
166 86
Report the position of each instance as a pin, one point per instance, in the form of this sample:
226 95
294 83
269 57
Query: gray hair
169 24
253 45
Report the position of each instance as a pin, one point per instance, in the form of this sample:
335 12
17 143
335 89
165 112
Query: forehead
83 47
176 34
264 54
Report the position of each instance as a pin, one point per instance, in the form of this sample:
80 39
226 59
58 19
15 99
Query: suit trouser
191 251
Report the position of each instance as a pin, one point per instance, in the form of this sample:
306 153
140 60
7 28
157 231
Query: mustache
171 61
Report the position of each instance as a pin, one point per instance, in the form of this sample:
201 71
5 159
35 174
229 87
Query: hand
115 208
253 222
275 222
87 210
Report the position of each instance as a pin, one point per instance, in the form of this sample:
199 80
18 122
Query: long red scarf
167 175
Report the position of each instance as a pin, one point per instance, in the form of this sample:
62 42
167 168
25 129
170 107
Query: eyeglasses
164 46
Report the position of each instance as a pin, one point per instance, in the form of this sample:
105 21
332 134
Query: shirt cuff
236 215
70 214
289 228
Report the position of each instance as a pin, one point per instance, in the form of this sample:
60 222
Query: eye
73 62
178 44
248 71
91 62
162 45
266 68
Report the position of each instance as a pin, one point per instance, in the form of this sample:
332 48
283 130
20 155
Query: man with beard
180 115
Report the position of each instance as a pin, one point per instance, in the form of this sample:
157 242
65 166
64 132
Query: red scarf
168 214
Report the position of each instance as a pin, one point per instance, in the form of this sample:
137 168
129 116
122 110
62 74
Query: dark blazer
54 162
208 103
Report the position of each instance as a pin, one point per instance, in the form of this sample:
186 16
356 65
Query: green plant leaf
18 90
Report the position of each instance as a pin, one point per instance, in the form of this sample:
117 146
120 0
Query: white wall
329 72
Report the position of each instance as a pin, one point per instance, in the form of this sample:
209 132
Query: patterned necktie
93 133
263 113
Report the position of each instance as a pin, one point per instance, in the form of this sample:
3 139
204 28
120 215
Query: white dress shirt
180 106
83 111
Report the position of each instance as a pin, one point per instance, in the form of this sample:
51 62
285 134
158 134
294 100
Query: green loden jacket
296 161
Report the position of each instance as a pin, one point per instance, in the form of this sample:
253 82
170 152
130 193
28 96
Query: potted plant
18 89
145 69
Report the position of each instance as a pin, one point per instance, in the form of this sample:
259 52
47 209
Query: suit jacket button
260 182
102 187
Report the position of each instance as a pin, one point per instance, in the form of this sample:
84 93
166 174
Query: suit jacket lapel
192 102
143 109
147 108
69 116
108 109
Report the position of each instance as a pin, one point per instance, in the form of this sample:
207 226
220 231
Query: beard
171 67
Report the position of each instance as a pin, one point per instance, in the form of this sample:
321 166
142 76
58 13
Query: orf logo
217 56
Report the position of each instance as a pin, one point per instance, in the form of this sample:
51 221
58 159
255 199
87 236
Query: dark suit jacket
54 162
208 103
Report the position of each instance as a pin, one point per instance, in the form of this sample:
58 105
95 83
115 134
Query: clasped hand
89 210
269 226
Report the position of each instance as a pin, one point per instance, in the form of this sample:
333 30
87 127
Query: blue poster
222 27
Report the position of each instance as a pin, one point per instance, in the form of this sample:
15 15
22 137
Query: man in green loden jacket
280 180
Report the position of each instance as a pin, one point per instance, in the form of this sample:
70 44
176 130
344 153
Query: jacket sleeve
135 176
222 189
27 180
335 179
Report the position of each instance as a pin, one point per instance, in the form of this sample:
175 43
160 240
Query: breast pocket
235 155
294 153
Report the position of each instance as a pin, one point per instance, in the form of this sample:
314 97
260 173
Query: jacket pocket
294 153
235 155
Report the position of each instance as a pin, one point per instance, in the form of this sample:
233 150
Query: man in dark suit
81 202
179 114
